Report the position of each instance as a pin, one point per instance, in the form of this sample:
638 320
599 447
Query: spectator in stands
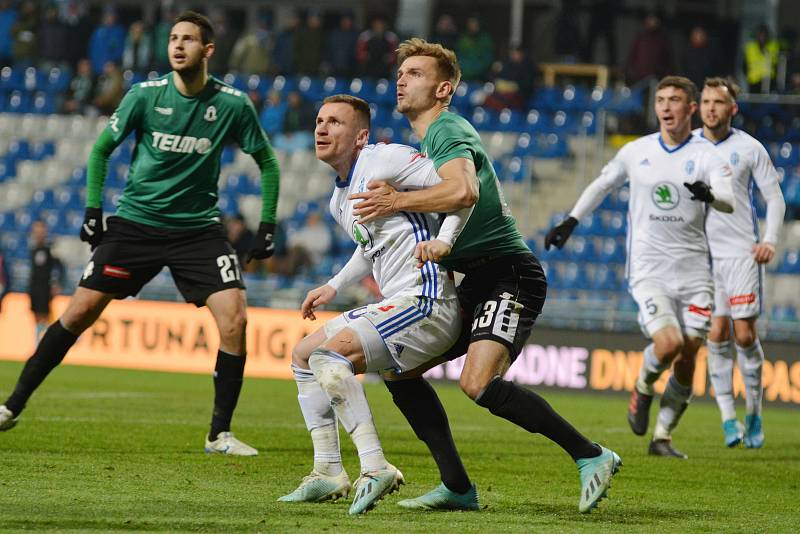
602 15
5 278
52 37
109 90
650 53
251 52
446 32
239 236
47 277
81 89
308 45
297 121
699 60
273 114
283 53
8 17
513 83
568 39
138 52
475 51
78 32
309 244
376 49
224 42
161 40
761 60
24 34
340 49
107 42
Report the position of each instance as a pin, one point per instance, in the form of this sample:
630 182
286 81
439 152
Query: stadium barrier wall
170 336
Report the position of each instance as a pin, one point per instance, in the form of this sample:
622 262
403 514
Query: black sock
525 408
228 375
422 409
52 348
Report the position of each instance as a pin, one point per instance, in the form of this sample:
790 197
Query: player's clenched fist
92 227
263 247
433 250
316 298
559 234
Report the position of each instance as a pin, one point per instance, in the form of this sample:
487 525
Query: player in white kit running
667 267
418 319
738 258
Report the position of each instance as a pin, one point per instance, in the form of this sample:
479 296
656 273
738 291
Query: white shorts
401 333
685 304
737 287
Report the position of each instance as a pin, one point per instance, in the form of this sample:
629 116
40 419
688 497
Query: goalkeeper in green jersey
168 216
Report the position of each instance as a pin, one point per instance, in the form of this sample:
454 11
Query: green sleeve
270 182
449 142
97 167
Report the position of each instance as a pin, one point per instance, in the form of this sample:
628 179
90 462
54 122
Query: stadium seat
790 263
310 88
385 92
363 88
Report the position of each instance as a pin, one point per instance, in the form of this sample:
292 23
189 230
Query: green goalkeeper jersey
172 182
491 230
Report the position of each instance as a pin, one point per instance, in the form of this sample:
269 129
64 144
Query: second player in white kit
738 255
668 268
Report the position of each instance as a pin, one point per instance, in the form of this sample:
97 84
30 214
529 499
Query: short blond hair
446 60
727 83
679 82
359 105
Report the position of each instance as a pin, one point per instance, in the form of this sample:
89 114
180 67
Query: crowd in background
97 47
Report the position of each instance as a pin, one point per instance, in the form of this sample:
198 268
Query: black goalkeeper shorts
201 260
501 299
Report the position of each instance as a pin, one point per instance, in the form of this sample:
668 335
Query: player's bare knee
472 385
720 331
745 337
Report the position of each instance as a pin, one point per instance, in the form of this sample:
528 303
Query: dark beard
190 74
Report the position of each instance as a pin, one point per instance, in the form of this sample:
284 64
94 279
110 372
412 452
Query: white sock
720 372
751 360
650 372
335 375
673 403
320 421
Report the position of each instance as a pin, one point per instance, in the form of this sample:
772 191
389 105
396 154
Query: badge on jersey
211 114
734 159
665 196
690 166
362 236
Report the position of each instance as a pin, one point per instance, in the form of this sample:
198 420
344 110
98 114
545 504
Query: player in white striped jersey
738 256
668 269
417 321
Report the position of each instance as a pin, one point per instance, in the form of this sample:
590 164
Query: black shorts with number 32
503 296
201 260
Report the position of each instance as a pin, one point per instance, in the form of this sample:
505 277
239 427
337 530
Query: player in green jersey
168 216
502 292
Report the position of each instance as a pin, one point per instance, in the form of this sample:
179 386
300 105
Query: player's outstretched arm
611 177
263 246
96 169
436 249
458 189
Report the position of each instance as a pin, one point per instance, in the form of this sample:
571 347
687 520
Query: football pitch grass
113 450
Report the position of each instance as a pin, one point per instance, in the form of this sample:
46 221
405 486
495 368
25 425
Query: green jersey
172 182
491 230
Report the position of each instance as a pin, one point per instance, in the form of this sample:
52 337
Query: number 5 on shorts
652 309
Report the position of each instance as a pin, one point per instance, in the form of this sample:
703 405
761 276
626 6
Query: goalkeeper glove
263 247
559 234
700 191
92 227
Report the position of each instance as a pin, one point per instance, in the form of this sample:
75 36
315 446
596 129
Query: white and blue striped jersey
388 244
666 229
733 235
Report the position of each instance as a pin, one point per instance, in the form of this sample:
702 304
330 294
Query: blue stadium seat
590 225
42 150
579 249
784 313
311 88
481 118
547 98
573 275
787 155
18 149
598 98
790 263
228 205
575 98
510 121
463 95
8 169
363 88
18 102
381 116
385 92
615 223
56 80
7 222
